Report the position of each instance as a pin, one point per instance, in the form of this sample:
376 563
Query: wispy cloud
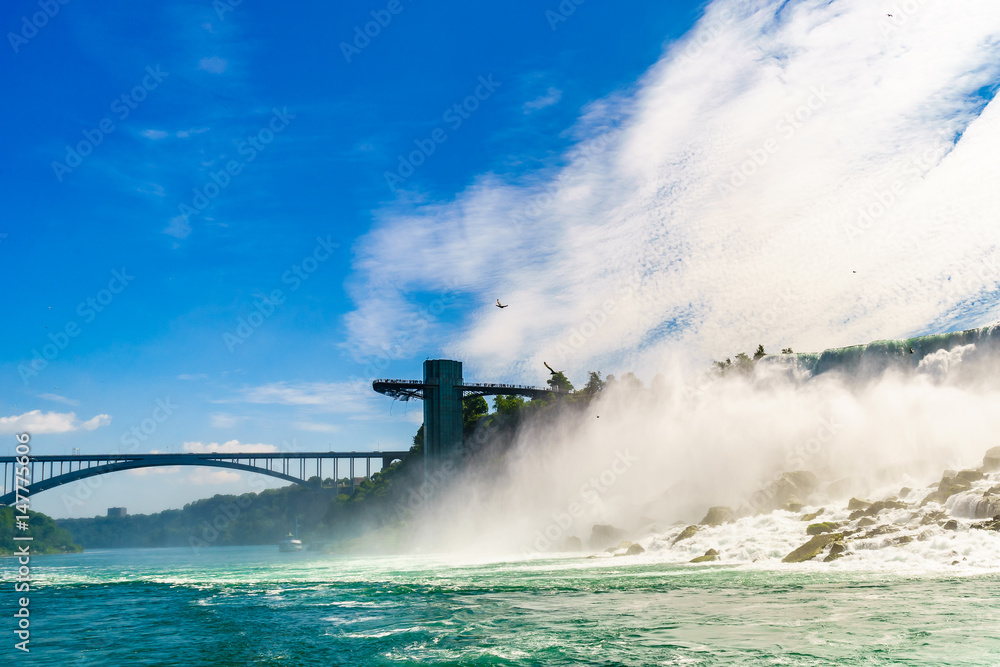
37 422
225 420
229 447
317 427
59 399
214 64
355 398
551 96
723 203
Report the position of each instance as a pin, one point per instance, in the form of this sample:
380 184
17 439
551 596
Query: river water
255 606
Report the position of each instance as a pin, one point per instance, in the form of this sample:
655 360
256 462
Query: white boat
292 542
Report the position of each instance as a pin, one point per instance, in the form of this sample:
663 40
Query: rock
970 475
634 550
812 548
571 543
856 514
788 492
991 462
717 516
881 530
603 535
950 525
992 524
803 480
947 487
902 539
866 521
709 556
905 491
621 545
858 504
819 528
987 507
884 505
933 517
685 534
812 515
793 505
838 548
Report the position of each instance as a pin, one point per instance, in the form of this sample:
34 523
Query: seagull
500 305
550 369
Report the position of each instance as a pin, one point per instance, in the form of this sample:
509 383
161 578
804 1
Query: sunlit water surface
255 606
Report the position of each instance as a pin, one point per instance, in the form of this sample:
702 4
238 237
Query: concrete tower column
442 412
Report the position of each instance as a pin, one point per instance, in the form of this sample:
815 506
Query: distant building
117 511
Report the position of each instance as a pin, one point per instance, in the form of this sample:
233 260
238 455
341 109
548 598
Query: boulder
812 515
866 521
905 491
709 556
625 544
837 550
858 504
789 492
881 530
856 514
992 524
687 533
884 505
947 487
902 539
970 475
717 516
933 517
950 525
603 535
812 548
991 462
820 528
571 543
634 550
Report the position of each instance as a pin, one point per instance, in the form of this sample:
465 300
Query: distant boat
292 542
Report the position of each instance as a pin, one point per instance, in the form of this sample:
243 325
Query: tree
759 354
594 384
507 405
787 350
473 408
560 383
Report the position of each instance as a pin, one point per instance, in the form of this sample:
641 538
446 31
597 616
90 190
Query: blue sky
248 213
202 80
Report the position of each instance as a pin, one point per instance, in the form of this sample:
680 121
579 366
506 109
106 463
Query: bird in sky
500 305
550 369
911 350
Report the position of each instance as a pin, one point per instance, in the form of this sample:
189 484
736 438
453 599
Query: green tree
473 409
560 383
594 384
760 353
507 405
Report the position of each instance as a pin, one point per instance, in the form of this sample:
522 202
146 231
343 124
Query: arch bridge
48 472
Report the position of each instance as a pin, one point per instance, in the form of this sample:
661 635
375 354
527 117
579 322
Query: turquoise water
255 606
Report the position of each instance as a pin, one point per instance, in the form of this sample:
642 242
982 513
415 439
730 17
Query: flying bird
911 350
550 369
500 305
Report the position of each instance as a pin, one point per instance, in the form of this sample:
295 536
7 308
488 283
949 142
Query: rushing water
255 606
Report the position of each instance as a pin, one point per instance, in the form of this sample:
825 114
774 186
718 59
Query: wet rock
789 492
903 539
621 545
866 521
884 505
634 550
837 550
992 524
812 548
717 516
933 517
905 491
858 504
991 462
970 475
820 528
709 556
856 514
812 515
881 530
687 533
793 505
571 543
947 487
603 535
950 525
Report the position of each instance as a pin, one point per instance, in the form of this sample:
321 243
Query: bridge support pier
442 412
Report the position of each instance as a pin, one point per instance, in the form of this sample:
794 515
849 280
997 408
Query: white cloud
551 96
38 422
340 397
59 399
213 476
230 447
317 427
214 64
178 227
154 134
648 239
